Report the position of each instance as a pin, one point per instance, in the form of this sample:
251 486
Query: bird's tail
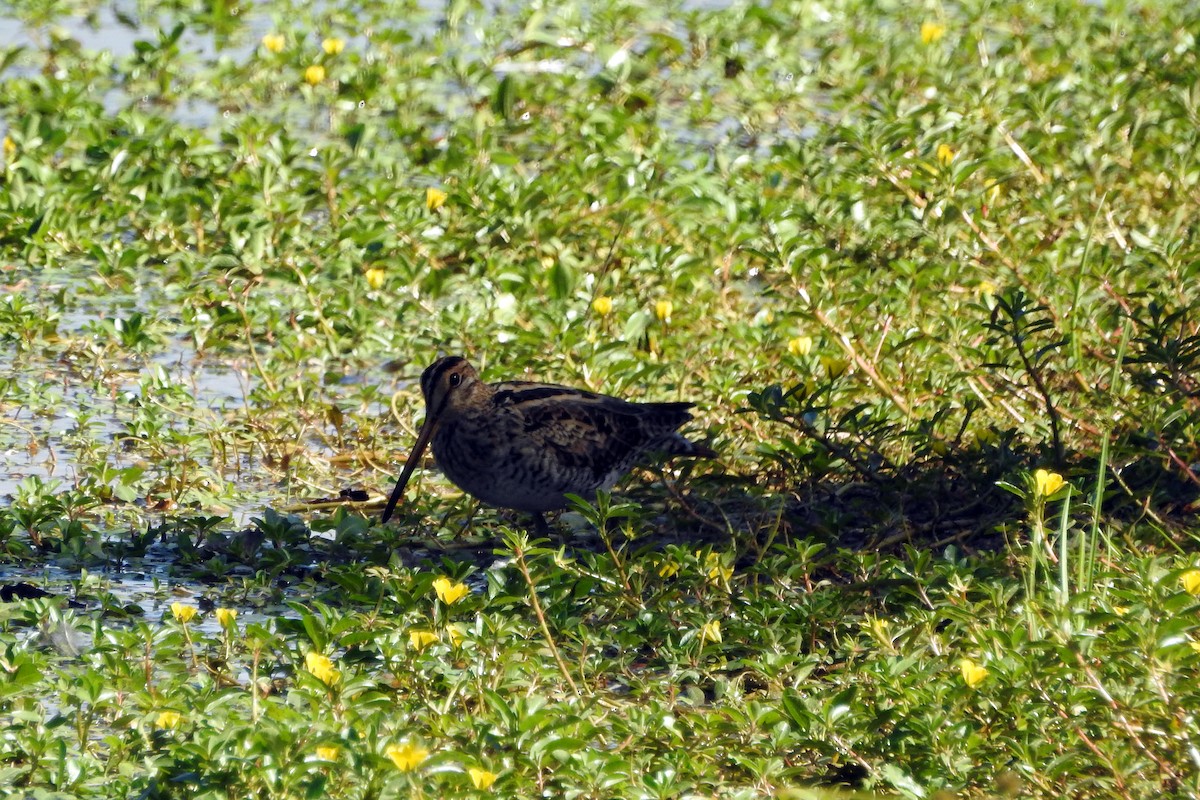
679 445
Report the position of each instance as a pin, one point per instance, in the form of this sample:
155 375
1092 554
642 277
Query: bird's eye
455 380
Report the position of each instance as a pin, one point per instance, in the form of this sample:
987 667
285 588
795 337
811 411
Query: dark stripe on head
432 375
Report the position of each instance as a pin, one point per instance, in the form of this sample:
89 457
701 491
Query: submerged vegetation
929 272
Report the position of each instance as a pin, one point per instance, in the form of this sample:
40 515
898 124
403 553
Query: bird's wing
585 430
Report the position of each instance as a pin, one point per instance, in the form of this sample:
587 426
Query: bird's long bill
414 458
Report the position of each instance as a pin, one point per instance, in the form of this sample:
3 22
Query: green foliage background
912 253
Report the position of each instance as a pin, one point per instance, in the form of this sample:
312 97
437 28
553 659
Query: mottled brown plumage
525 445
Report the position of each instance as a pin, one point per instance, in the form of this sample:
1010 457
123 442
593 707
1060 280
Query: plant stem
1044 391
519 553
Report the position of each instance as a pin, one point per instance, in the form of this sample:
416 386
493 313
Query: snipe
525 445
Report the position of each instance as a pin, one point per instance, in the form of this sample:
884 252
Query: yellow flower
183 613
226 617
945 154
668 569
1047 483
321 668
1191 581
455 633
375 277
993 190
835 365
333 45
419 640
448 591
10 147
1195 646
602 305
985 289
435 198
328 752
481 778
663 309
274 42
800 345
931 32
168 719
407 756
711 631
314 74
717 572
972 673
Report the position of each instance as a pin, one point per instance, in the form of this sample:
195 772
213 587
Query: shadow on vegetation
848 482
